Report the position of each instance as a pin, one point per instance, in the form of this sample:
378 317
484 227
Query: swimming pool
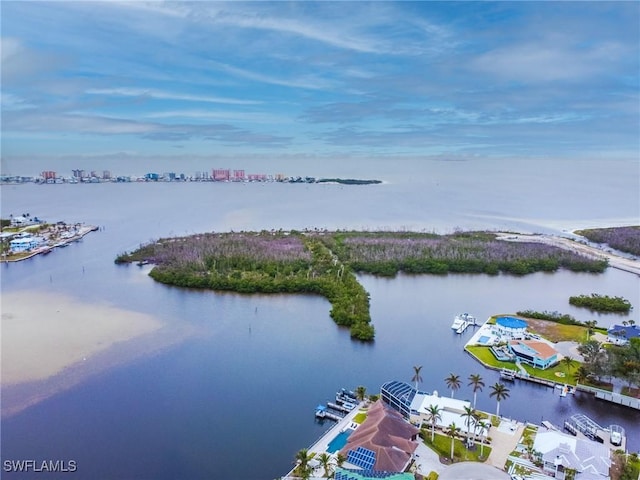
483 339
339 441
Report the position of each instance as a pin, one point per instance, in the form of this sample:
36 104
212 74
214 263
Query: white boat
462 321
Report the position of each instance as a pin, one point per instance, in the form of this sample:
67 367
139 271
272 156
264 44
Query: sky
350 80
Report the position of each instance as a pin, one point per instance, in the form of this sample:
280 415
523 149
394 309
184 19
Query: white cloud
541 62
164 95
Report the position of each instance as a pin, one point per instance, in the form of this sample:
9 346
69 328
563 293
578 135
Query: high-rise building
221 175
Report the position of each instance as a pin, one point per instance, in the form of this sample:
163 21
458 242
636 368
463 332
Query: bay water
234 397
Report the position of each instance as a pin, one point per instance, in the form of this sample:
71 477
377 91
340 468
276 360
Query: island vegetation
625 239
348 181
601 303
563 318
325 263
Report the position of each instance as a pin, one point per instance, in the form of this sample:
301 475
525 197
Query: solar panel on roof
362 457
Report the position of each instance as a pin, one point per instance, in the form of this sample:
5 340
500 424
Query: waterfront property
535 353
414 405
24 243
621 334
384 442
510 327
350 474
561 452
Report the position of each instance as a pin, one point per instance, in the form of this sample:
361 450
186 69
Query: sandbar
45 333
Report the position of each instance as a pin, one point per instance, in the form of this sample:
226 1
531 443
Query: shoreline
615 260
84 230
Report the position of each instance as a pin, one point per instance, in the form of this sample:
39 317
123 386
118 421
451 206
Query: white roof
451 409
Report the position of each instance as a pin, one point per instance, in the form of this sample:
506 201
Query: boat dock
322 413
345 403
508 374
462 321
582 426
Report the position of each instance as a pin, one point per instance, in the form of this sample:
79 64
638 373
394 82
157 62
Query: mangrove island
325 263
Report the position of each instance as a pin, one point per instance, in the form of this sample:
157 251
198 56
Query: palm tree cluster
499 391
328 463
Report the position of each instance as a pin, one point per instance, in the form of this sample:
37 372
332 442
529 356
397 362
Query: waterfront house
384 442
621 334
535 353
510 327
24 243
560 452
414 405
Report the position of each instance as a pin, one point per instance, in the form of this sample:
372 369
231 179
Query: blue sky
329 79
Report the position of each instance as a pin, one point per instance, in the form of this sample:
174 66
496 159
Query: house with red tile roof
385 441
534 352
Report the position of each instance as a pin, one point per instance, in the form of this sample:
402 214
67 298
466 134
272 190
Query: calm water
236 399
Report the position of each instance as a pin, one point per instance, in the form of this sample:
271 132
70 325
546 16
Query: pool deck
321 445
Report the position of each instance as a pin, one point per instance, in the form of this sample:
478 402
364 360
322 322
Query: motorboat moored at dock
462 321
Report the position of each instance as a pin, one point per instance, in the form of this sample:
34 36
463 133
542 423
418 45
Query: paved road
616 261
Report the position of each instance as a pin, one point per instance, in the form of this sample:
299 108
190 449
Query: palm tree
452 431
469 413
302 459
567 360
433 415
581 374
500 392
340 459
476 381
416 375
325 460
482 425
590 324
453 382
361 392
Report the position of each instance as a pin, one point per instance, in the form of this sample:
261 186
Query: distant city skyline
114 85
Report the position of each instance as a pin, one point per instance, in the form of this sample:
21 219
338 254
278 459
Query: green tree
325 461
416 375
468 415
433 415
501 393
483 426
453 382
361 393
567 360
303 469
340 459
581 374
590 324
476 381
452 431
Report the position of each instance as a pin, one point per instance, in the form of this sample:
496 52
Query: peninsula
325 263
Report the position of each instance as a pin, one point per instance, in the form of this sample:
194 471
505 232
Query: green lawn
558 374
442 446
485 356
360 417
